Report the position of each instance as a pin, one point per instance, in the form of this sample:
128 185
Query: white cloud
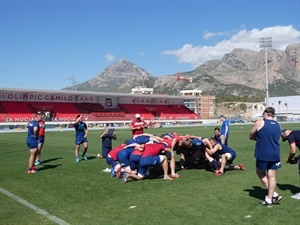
209 35
248 39
109 57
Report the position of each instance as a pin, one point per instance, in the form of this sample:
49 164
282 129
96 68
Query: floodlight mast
266 42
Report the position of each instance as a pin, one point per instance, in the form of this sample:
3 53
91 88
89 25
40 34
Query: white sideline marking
34 208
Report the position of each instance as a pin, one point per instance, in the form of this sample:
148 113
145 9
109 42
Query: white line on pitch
34 208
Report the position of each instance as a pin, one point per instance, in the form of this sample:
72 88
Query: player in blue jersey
227 156
217 134
80 137
293 137
32 129
266 133
225 128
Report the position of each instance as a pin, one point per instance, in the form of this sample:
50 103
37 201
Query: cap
137 116
282 133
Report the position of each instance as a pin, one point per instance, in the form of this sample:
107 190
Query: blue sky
45 42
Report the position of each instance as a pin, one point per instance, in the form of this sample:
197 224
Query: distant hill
241 72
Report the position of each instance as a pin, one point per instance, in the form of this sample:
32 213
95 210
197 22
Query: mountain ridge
240 72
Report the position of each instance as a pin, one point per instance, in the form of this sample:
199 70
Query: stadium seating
185 113
24 111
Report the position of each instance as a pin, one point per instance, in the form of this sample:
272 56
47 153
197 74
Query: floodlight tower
266 42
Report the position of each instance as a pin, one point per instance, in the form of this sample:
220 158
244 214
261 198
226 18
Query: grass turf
82 194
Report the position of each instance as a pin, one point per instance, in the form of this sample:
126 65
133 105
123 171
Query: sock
268 200
181 163
214 164
275 194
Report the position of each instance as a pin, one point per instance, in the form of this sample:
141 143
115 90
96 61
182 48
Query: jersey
267 146
136 123
80 128
31 125
32 139
226 149
223 128
294 137
114 152
42 128
142 139
153 149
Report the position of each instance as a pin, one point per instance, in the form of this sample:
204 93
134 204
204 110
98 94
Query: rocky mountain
241 72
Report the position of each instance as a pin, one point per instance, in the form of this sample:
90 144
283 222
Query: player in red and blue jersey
151 156
32 129
112 158
80 137
41 139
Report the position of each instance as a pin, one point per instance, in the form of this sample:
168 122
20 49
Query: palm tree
286 106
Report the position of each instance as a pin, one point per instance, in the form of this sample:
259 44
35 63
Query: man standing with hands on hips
137 126
266 133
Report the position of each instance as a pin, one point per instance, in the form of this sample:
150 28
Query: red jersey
136 123
153 149
42 127
137 152
169 141
114 152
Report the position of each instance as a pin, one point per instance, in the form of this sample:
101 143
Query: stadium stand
24 111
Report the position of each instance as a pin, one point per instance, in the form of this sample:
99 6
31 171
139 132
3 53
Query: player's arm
26 127
292 152
132 127
86 131
36 131
78 119
257 125
114 136
213 150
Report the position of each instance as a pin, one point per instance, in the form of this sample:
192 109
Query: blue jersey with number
267 142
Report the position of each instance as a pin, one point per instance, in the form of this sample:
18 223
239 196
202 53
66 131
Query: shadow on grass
92 157
257 192
294 189
46 167
50 160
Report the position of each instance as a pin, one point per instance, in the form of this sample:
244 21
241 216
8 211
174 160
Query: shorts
149 161
110 161
32 143
264 165
79 141
41 140
168 154
134 161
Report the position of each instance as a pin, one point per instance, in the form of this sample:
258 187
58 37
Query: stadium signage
150 100
46 98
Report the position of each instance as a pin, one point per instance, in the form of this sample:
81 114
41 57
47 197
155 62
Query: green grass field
82 194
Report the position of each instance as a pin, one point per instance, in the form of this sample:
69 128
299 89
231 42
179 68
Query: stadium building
19 105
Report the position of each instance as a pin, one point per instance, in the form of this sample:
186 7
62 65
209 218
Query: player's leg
85 148
38 154
77 147
32 156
